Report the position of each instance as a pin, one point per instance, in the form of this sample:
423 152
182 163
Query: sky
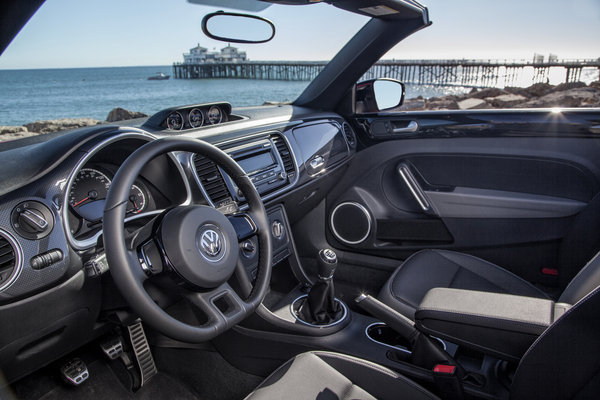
85 33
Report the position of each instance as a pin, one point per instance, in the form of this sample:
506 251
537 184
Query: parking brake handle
425 353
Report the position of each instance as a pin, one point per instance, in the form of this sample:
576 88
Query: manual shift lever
320 306
327 261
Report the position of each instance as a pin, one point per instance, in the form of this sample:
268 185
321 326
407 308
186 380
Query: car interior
332 248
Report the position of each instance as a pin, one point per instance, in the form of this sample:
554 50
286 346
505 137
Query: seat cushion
429 269
332 376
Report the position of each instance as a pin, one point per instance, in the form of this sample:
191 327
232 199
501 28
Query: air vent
285 154
349 134
8 260
211 179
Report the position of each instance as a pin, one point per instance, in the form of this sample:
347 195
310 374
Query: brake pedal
141 350
112 348
74 371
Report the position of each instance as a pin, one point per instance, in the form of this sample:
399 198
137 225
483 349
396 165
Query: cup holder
382 334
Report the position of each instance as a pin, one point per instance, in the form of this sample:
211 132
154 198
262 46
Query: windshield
79 60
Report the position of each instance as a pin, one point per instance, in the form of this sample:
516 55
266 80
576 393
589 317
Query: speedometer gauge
175 121
88 186
196 118
214 115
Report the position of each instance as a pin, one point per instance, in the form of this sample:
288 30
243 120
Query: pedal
112 348
74 371
141 350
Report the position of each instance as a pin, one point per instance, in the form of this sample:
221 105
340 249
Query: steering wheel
196 245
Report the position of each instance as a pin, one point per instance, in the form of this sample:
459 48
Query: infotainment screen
256 162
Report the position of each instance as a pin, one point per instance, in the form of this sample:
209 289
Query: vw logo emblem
211 242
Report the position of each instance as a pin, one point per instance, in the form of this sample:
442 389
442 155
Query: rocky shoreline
539 95
542 95
64 124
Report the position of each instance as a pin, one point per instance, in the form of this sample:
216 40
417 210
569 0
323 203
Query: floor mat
104 385
206 372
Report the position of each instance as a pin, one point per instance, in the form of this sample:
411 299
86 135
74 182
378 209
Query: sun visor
385 9
245 5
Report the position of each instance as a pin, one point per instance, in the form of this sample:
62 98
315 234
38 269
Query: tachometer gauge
214 115
196 118
88 186
137 200
175 121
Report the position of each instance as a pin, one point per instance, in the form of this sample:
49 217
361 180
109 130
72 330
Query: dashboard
51 208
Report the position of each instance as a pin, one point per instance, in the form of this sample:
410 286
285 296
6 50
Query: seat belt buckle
447 382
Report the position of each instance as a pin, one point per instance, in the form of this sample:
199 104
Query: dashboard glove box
499 324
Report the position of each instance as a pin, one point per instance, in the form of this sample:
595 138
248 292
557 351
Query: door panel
510 195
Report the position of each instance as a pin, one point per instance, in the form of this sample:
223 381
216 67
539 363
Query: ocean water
32 95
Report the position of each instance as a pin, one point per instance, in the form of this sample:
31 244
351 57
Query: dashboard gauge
88 186
196 118
175 121
137 200
214 115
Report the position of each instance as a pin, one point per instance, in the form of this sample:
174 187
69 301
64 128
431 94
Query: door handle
412 126
414 187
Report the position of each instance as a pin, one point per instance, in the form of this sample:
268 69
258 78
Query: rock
57 125
474 90
12 129
412 105
473 104
538 89
14 132
568 85
441 104
487 92
517 90
121 114
595 85
580 97
506 100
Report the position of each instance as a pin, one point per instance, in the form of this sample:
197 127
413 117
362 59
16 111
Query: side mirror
237 28
378 95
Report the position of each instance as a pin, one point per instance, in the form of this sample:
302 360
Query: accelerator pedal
74 371
141 350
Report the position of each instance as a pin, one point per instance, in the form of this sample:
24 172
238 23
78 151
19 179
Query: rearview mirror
378 95
237 28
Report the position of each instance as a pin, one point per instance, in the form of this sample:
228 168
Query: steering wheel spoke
244 225
222 306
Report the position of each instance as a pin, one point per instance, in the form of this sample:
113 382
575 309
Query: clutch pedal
141 350
74 371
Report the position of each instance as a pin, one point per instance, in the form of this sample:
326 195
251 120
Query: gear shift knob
327 261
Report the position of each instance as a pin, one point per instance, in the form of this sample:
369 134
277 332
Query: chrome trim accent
414 187
207 241
402 349
18 259
398 348
262 135
413 126
360 207
144 261
133 133
344 315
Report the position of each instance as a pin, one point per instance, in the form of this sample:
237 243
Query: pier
469 73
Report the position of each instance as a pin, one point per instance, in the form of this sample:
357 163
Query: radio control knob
282 176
